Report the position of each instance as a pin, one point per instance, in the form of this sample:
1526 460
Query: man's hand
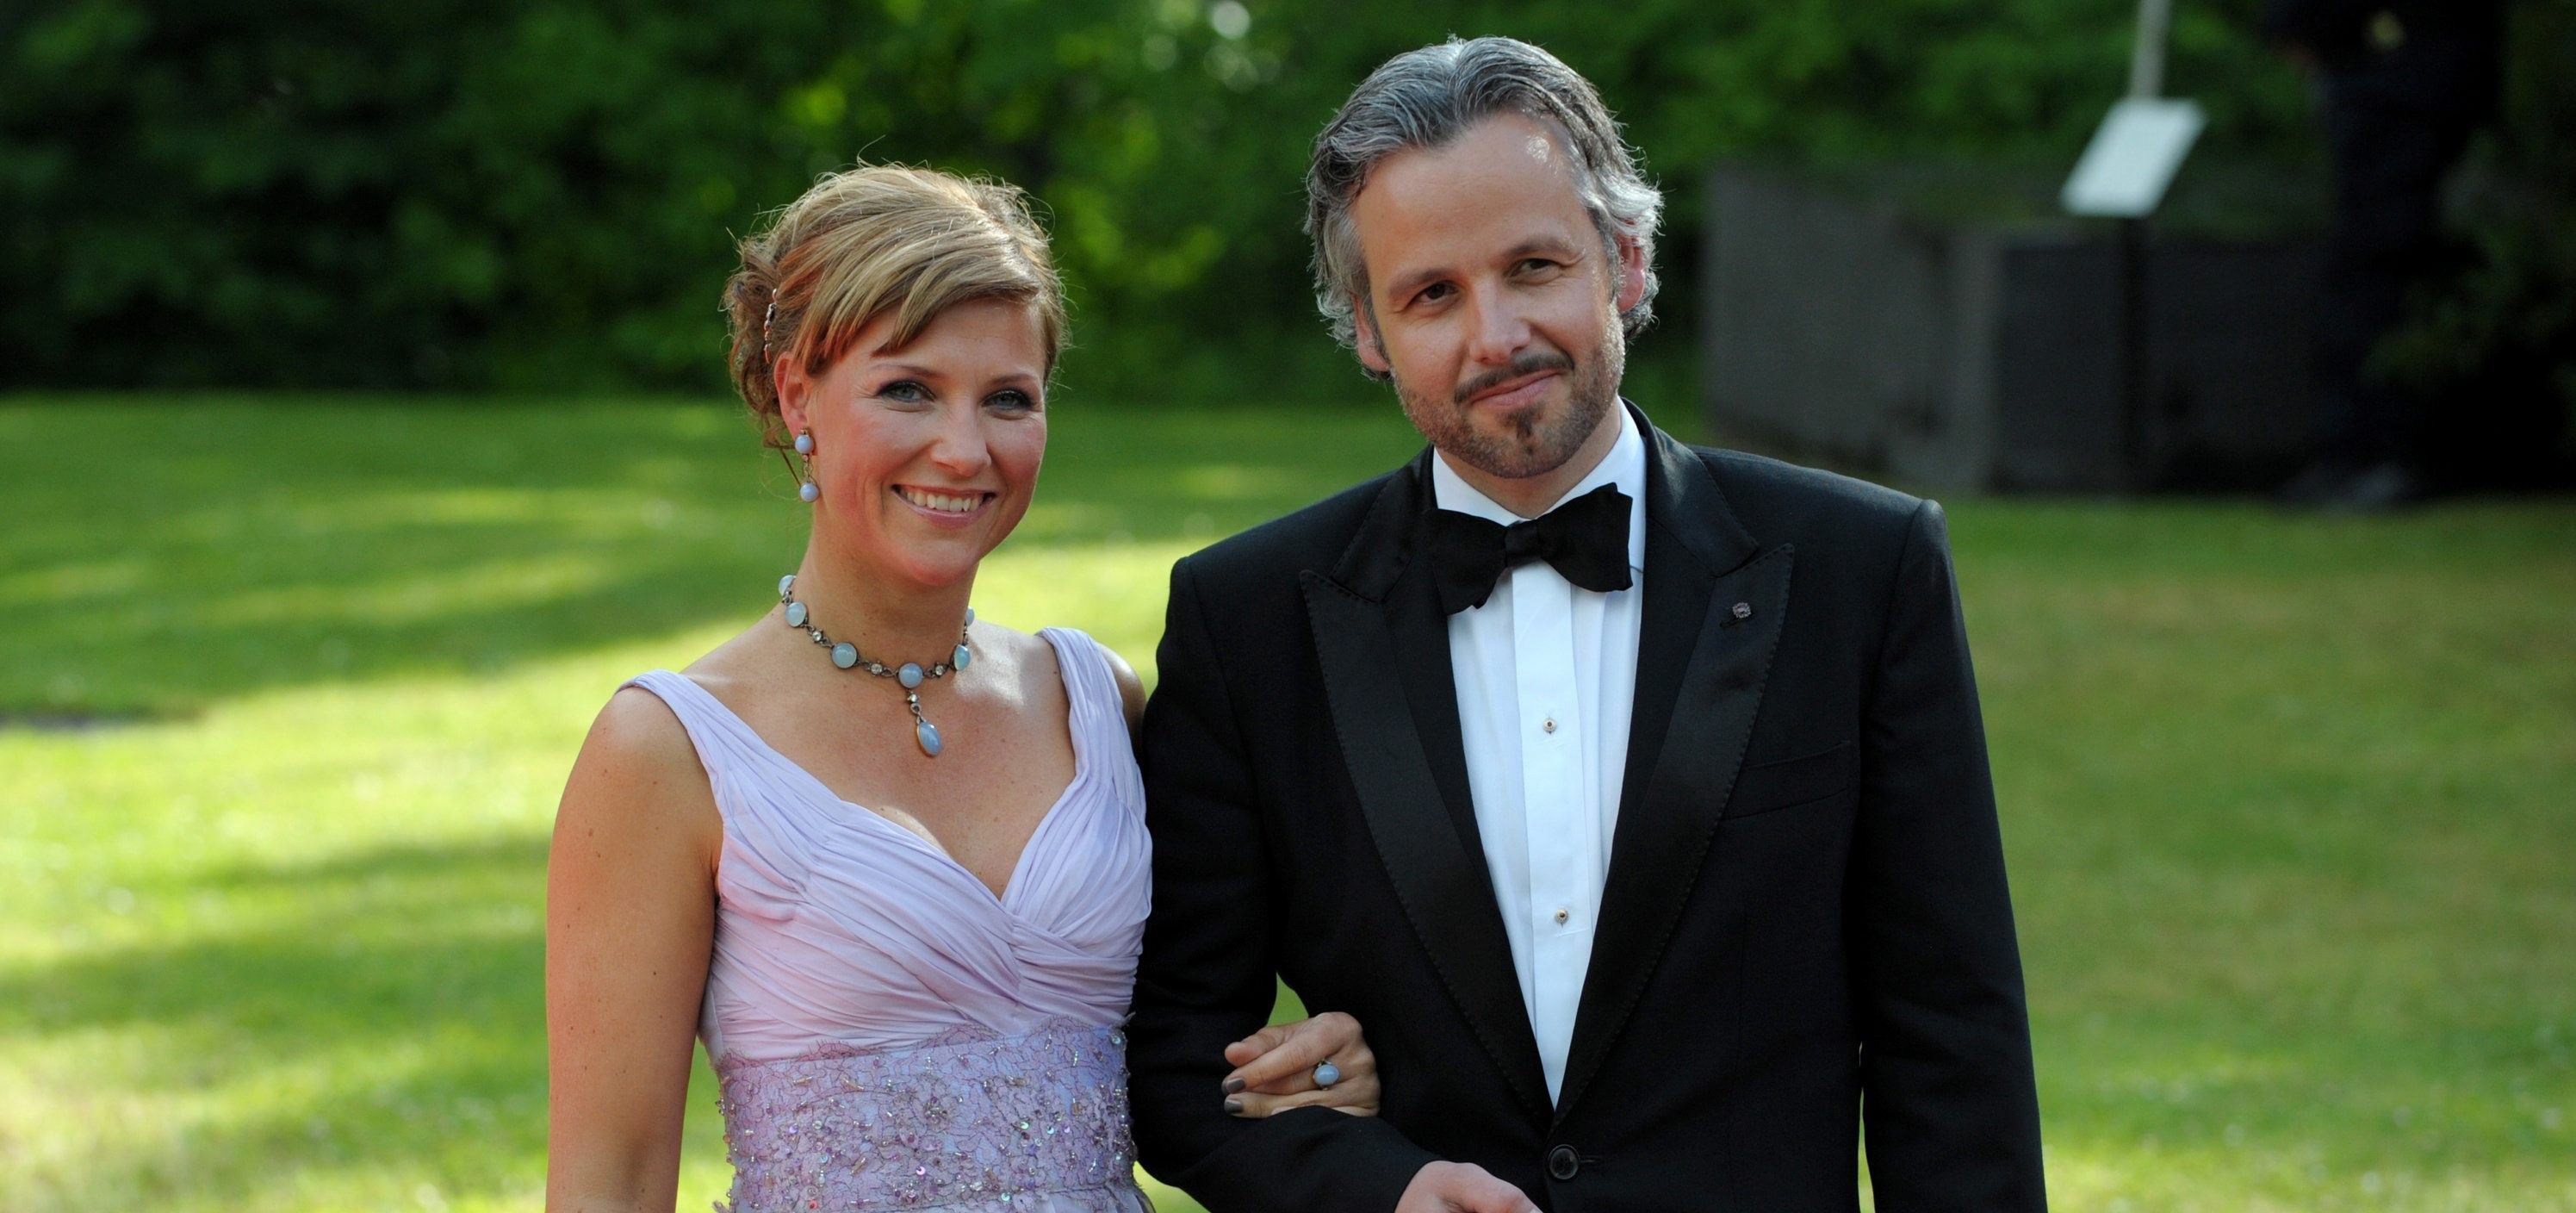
1457 1187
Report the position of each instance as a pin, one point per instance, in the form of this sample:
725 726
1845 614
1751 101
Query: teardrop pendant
909 675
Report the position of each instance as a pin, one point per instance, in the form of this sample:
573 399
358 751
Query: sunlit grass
289 690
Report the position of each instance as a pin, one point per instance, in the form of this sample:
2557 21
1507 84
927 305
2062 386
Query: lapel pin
1744 610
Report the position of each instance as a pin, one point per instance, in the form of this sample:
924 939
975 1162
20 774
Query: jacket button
1562 1163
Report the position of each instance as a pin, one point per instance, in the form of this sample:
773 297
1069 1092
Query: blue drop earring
805 488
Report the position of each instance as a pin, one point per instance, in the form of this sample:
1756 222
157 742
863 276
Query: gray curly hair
1427 98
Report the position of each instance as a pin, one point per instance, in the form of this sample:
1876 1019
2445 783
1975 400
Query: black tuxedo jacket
1805 914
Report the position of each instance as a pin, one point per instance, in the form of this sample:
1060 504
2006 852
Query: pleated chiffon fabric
887 1032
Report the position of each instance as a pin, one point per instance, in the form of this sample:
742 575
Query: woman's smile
950 506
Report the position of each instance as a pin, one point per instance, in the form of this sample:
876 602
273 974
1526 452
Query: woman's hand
1274 1068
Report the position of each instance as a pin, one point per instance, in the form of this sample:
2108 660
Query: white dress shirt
1546 676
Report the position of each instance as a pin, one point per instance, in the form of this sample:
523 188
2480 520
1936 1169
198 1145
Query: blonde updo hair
876 240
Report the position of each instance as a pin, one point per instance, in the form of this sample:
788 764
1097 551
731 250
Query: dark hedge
479 194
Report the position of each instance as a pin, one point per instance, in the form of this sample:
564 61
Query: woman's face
925 455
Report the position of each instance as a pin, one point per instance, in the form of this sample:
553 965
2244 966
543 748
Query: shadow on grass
447 931
380 1011
243 545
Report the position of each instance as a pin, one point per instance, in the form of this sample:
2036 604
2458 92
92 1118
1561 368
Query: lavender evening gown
887 1034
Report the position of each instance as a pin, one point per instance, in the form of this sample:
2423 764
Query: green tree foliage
543 194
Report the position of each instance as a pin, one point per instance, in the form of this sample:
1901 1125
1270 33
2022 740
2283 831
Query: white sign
2133 158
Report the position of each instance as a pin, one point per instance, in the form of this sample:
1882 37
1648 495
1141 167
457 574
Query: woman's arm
630 916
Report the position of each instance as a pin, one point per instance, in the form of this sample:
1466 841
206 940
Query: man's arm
1209 972
1949 1105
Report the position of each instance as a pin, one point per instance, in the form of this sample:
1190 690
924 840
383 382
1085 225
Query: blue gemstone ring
1326 1074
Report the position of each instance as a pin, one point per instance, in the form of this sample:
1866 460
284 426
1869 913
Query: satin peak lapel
1377 628
1712 619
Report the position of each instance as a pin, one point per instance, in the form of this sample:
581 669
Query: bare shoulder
1032 660
1131 689
637 781
638 731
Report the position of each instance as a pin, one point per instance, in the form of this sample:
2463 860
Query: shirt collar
1624 466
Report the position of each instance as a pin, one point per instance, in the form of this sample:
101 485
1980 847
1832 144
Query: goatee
1538 440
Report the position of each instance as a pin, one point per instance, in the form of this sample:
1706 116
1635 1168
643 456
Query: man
1647 841
2404 84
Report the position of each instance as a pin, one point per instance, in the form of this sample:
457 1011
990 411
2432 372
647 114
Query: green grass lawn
288 688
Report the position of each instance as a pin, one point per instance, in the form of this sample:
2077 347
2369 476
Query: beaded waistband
951 1123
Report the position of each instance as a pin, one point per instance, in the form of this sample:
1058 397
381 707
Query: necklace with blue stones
910 675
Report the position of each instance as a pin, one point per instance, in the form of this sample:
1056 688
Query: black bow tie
1586 539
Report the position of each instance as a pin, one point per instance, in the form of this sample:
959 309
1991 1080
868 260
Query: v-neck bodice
837 929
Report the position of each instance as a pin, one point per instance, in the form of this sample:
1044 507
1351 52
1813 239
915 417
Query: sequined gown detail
887 1034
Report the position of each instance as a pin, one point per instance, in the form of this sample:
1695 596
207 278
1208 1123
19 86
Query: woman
887 859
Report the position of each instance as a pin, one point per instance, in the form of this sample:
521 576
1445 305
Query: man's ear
1364 338
1632 275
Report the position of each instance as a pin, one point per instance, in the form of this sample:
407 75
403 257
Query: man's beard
1538 441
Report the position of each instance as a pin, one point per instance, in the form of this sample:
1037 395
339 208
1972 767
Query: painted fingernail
1234 1107
1233 1086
